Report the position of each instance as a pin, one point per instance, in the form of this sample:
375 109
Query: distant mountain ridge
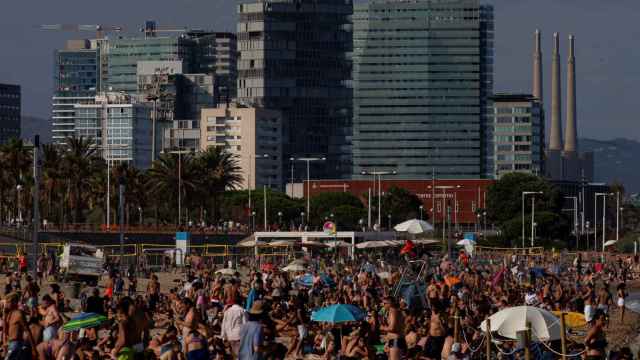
615 160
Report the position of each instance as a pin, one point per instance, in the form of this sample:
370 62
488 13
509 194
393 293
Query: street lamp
389 216
575 216
420 208
604 218
302 219
444 210
279 218
361 222
525 193
379 174
308 160
179 153
253 221
587 224
108 156
292 160
249 186
19 189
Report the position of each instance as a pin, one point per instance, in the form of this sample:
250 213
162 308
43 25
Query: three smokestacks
570 147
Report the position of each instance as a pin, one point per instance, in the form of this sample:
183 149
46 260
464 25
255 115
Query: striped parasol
84 321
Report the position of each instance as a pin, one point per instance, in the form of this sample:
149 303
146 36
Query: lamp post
279 218
389 217
575 216
249 186
18 190
302 219
444 211
292 160
379 174
617 215
108 156
525 193
420 208
604 219
308 160
179 153
587 224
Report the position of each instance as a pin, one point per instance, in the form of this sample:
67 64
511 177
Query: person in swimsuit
621 292
51 318
196 346
394 328
14 337
595 341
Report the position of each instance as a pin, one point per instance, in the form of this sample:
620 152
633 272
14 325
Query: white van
82 262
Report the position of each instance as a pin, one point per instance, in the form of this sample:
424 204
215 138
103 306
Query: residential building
293 57
120 126
518 135
10 113
183 135
254 135
76 81
422 75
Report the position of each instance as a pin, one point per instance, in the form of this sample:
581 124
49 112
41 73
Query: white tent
414 226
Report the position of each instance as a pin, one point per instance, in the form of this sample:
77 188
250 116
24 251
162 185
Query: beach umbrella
337 243
511 321
338 313
306 280
226 271
609 242
294 267
414 226
84 321
465 242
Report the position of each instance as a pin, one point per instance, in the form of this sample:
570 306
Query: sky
607 56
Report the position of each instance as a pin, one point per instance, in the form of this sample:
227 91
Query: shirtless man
437 335
51 318
15 345
394 329
589 298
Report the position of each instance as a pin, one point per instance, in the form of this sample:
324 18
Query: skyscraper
76 81
9 112
293 58
422 75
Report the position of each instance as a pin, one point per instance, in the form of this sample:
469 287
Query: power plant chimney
555 139
537 67
571 134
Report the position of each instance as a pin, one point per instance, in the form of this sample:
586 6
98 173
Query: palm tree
52 180
218 170
164 178
16 159
80 163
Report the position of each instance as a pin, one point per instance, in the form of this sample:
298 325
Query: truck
81 262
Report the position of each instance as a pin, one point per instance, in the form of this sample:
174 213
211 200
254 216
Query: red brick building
469 195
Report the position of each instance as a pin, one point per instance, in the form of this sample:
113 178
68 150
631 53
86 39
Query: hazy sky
607 54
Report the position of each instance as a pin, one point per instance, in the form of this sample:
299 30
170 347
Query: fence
532 251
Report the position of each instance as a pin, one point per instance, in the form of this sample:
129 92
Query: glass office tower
76 81
422 75
293 57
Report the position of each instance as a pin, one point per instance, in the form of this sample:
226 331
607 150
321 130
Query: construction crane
151 29
100 29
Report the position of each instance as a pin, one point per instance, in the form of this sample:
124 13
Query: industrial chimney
571 133
537 67
555 139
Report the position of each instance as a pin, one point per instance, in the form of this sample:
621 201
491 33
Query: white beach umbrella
609 242
511 321
465 242
294 268
414 226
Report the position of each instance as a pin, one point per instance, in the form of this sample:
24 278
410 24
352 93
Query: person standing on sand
16 327
394 329
622 294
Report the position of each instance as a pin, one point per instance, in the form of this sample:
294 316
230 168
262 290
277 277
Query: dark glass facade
76 80
293 57
422 75
9 112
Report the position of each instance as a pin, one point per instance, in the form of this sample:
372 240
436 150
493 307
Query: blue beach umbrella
306 280
338 313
